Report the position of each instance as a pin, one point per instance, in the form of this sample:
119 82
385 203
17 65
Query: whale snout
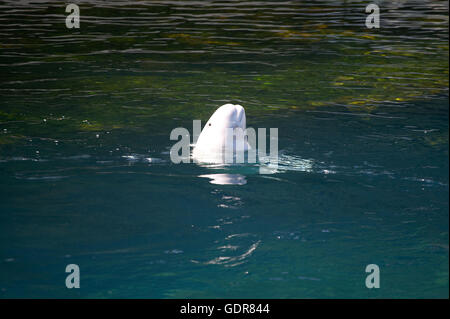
235 115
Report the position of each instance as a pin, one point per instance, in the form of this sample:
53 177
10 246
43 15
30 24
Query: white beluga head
212 142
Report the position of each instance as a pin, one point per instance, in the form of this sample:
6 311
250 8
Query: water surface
86 178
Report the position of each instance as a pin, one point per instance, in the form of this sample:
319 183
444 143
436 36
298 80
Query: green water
86 177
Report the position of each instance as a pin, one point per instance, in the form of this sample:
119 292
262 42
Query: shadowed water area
86 178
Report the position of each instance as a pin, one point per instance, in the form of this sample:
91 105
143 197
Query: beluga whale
223 136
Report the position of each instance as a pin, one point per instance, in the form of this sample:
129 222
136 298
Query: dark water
86 178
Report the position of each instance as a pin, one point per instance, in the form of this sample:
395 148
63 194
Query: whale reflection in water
226 179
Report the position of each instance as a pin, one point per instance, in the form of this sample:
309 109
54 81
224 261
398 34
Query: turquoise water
86 177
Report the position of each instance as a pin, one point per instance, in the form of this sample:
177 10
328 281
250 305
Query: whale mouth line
237 125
